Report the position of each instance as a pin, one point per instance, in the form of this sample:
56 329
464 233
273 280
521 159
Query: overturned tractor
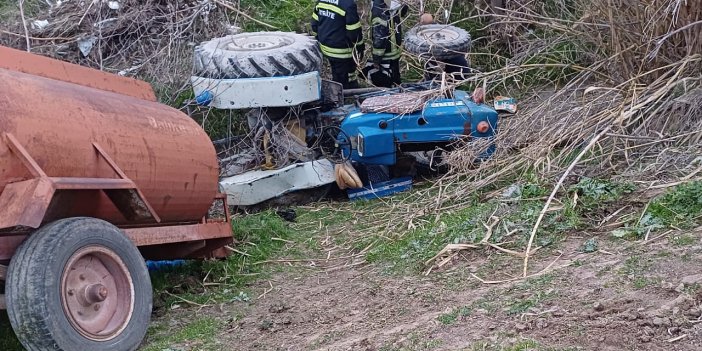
305 131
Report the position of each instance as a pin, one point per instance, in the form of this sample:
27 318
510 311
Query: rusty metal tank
60 114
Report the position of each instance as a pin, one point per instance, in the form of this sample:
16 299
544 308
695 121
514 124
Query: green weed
415 342
590 246
643 282
9 10
260 238
635 265
285 15
536 287
451 317
488 302
522 345
525 345
636 269
8 340
680 207
693 289
411 250
594 192
202 331
683 239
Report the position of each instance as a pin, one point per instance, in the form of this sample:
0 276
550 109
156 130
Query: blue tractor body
376 138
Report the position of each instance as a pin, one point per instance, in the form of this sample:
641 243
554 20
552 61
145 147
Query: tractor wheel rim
97 293
438 36
259 42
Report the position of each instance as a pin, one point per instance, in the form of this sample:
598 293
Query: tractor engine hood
376 136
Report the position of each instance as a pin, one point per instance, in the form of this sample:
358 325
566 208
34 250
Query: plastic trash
507 104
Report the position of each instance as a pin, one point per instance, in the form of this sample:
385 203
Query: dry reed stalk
619 125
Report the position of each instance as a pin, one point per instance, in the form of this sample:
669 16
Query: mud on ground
627 295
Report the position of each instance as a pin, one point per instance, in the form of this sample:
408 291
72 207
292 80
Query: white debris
113 5
86 44
234 30
514 191
39 24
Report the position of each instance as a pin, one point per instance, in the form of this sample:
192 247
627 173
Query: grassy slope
266 237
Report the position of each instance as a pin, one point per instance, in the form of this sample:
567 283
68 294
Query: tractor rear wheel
437 41
79 284
256 55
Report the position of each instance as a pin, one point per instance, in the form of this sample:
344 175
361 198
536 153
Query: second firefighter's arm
354 32
381 32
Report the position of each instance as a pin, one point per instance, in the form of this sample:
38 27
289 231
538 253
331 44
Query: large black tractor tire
438 41
430 164
256 55
79 284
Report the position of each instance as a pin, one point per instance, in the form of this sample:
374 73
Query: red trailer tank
167 155
95 176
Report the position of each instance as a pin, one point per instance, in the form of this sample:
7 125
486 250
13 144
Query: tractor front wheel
79 284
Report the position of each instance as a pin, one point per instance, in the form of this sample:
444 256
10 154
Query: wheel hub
258 42
438 35
97 293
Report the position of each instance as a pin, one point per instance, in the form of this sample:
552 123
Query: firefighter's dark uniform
386 22
337 27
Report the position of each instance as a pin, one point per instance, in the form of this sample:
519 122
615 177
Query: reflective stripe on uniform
336 53
355 26
378 52
331 8
392 55
395 51
335 50
315 17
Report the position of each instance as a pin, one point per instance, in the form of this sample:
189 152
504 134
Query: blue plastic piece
378 190
205 98
155 266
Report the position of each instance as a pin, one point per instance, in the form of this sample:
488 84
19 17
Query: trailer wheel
256 55
438 41
79 284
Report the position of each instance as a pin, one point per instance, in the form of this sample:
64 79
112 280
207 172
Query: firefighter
456 67
337 27
386 21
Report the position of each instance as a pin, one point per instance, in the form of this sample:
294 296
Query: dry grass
151 39
635 112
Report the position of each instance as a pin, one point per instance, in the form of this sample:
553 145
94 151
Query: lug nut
95 293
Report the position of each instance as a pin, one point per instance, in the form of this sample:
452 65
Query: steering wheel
334 144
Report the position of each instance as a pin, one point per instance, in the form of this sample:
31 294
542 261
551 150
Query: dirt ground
627 295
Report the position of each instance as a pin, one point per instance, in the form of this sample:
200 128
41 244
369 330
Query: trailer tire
256 55
438 41
79 284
